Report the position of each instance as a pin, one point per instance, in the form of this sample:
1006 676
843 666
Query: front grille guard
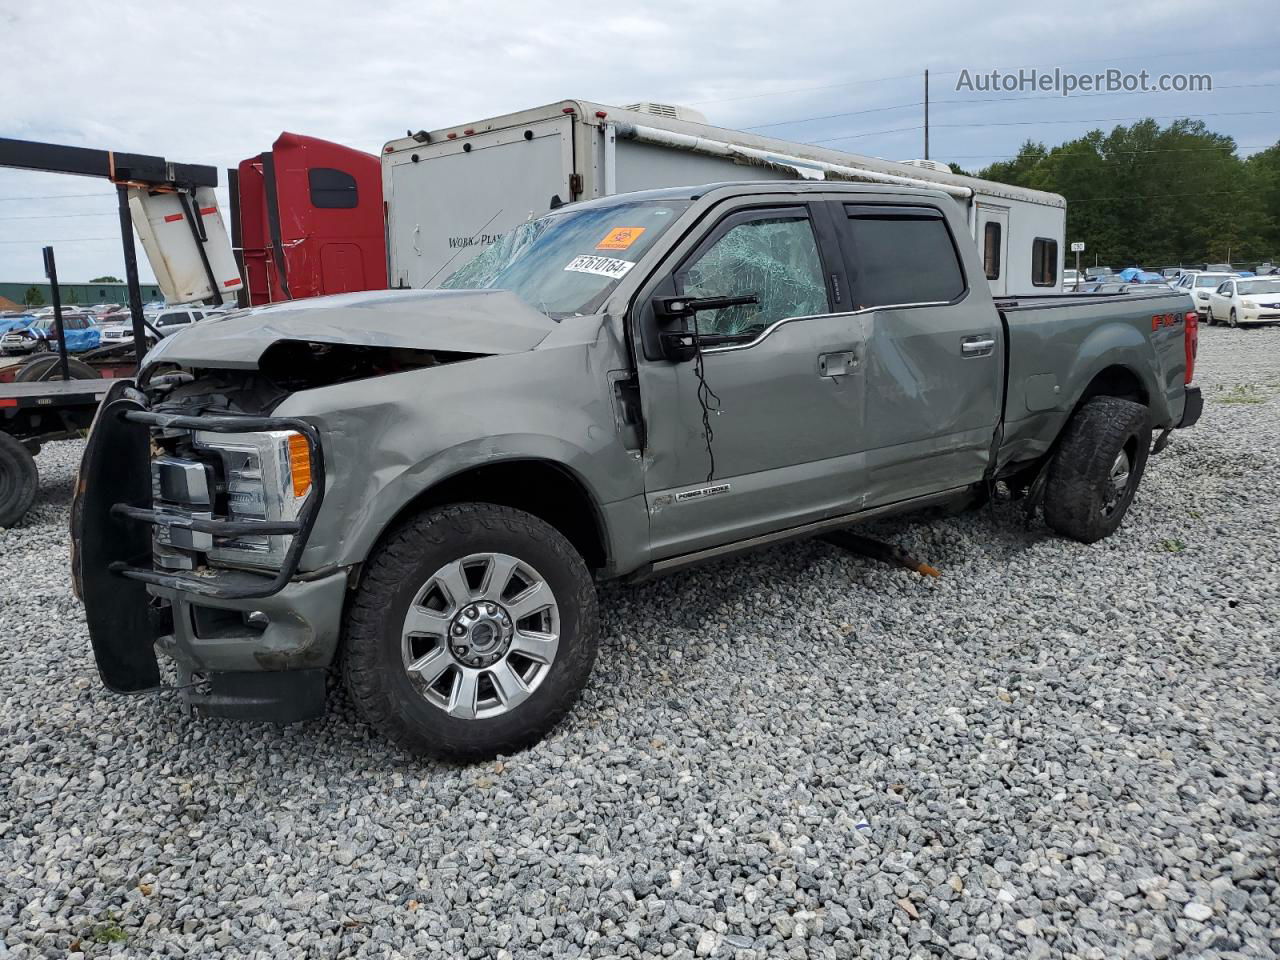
300 528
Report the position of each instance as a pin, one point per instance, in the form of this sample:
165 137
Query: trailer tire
47 367
452 704
19 480
1096 469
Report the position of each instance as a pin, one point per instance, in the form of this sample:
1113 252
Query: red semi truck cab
307 220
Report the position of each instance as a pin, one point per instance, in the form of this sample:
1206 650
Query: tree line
1157 196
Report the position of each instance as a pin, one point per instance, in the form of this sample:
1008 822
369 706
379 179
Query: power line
1161 116
964 100
1095 156
870 133
828 86
59 216
833 116
1034 123
62 240
936 73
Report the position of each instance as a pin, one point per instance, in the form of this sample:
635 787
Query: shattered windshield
567 263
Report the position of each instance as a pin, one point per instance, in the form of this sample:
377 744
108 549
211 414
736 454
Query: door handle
837 364
977 345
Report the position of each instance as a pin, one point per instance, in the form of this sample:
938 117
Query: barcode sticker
600 266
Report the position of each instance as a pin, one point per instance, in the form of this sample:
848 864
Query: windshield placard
600 266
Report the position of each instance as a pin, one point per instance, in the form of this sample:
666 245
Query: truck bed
1055 341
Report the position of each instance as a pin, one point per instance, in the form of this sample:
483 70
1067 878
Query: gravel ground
1051 751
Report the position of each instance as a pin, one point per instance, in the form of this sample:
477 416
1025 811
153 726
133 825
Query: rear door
935 357
993 243
763 432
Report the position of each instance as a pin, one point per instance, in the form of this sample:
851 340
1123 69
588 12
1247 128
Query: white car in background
1200 285
167 322
1245 300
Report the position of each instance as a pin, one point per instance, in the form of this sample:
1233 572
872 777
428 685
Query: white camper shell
451 192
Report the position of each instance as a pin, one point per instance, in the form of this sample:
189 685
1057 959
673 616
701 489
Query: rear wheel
1096 469
19 480
472 633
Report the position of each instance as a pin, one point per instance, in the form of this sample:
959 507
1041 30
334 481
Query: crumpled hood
459 321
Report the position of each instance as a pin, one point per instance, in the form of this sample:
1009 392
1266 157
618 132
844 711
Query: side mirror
681 346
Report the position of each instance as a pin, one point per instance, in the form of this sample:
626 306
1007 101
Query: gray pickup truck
425 486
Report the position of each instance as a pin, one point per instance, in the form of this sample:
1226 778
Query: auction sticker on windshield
600 266
619 238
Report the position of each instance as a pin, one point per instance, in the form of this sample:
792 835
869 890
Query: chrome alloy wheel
1118 482
481 635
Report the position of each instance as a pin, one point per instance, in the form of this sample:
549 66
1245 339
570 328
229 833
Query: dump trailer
452 192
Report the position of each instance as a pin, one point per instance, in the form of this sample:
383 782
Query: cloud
217 82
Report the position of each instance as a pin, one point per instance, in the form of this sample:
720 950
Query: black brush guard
112 516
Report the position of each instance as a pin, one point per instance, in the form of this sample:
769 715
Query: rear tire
1097 467
472 633
19 480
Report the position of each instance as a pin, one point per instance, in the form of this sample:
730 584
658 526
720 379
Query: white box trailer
451 192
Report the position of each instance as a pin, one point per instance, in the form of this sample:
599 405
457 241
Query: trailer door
447 201
993 243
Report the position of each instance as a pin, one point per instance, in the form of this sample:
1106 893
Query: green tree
33 297
1156 196
106 279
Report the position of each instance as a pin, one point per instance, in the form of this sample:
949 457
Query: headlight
1248 305
1202 296
265 476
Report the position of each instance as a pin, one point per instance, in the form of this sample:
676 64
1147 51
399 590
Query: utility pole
926 114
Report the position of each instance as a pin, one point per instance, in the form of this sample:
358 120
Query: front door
993 241
935 351
761 432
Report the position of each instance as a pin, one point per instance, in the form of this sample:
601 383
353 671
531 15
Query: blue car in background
40 335
11 321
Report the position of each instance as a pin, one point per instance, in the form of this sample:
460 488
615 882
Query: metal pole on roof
926 114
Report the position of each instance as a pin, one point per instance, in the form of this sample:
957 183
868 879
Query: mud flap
115 468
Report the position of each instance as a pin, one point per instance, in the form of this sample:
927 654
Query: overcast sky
217 82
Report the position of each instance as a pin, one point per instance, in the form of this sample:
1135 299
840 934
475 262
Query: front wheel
1096 469
472 633
1233 320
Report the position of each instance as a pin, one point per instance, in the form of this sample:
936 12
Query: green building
76 294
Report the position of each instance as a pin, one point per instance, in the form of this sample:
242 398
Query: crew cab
425 485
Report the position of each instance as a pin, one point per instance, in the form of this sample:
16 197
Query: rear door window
900 255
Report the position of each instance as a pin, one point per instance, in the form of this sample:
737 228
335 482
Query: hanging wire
708 399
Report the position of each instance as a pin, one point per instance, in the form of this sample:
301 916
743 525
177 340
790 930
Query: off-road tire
19 480
372 663
1079 482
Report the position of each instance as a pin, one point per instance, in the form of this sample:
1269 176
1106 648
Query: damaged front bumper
250 645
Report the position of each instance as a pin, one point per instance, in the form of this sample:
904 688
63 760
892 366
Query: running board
796 533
